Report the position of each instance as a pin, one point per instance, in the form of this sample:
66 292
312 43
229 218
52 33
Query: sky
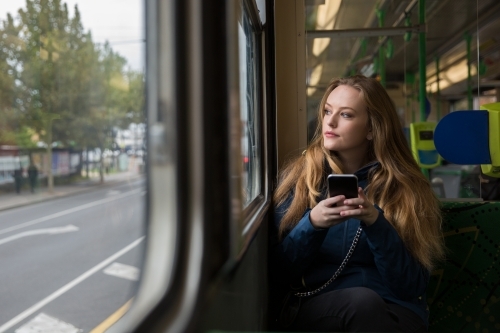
120 22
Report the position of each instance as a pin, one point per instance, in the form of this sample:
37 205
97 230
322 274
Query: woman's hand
360 208
327 213
335 210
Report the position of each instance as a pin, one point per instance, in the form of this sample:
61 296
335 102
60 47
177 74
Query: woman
382 286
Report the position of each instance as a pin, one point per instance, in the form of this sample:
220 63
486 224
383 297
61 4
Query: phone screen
343 185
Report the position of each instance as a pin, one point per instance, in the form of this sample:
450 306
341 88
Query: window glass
72 161
250 107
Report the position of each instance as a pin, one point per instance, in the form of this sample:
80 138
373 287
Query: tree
55 71
8 45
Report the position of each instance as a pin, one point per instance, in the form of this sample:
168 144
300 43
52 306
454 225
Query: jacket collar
362 173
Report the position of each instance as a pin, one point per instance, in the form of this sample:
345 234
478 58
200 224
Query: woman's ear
369 136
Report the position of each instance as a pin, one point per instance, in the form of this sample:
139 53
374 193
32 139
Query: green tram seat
464 293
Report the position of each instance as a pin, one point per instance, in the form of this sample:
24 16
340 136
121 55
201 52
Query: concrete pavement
12 199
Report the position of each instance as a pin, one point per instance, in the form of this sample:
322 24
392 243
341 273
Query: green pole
469 79
381 50
438 92
413 99
421 67
421 59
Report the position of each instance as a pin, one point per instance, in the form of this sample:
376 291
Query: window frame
255 211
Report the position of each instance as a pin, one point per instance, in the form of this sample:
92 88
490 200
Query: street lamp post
50 117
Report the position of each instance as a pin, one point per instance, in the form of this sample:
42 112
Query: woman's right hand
326 213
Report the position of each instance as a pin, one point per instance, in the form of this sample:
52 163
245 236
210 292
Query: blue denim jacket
309 256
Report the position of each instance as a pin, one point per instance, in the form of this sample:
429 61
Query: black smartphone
343 185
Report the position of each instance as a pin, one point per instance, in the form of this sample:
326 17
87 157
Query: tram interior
461 54
455 46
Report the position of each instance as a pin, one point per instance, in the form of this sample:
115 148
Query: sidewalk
12 199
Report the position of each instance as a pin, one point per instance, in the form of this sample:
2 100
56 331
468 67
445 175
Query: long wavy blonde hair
397 185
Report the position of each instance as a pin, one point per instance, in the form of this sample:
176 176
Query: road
71 262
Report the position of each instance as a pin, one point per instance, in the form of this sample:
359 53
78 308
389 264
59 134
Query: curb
88 188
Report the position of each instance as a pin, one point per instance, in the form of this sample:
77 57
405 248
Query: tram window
250 103
72 145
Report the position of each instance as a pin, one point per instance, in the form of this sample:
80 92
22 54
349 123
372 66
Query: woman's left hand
365 210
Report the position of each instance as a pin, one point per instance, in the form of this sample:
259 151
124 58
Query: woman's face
345 122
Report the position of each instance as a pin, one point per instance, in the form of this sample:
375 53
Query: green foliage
24 137
51 69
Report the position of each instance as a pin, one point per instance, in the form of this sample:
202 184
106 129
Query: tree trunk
101 166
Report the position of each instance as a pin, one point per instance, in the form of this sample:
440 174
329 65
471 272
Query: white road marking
68 286
48 231
70 211
47 324
123 271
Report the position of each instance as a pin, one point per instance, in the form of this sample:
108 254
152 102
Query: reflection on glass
250 107
71 128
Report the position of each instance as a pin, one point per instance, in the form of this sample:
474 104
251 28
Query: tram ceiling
346 36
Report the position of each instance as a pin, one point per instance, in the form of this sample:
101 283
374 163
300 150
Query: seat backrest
464 293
